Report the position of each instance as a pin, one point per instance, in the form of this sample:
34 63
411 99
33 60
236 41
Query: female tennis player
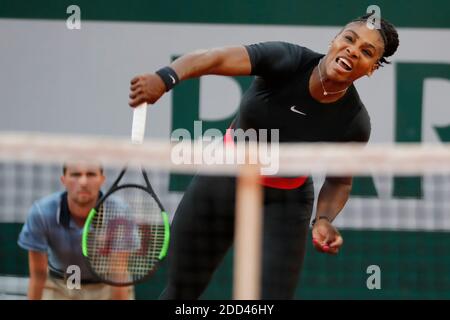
309 97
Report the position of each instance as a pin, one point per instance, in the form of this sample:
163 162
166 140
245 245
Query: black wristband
168 76
318 218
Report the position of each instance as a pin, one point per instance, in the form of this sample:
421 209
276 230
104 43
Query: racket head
126 235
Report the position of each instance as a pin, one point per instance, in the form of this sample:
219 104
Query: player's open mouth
344 64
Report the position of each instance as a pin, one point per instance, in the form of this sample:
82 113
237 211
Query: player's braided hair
389 35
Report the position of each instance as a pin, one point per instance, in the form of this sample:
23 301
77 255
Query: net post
248 235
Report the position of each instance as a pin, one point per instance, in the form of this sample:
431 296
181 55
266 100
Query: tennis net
396 223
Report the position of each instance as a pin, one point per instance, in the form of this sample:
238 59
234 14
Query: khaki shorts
56 289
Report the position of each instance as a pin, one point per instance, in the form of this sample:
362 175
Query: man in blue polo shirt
52 236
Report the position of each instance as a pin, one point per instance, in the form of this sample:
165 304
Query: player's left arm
332 198
336 190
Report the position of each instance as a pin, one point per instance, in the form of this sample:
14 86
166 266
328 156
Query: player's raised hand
146 88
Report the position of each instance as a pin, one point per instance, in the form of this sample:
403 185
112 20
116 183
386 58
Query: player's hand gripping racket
126 235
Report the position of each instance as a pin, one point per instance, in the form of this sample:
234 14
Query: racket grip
138 127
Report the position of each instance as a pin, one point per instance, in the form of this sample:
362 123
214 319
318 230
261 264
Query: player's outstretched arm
227 61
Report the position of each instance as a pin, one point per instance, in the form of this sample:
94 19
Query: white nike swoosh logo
295 110
173 79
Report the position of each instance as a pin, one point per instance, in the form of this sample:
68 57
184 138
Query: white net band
288 159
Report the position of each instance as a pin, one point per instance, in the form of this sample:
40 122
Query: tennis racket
126 235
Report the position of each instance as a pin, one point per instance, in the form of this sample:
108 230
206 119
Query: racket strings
126 236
